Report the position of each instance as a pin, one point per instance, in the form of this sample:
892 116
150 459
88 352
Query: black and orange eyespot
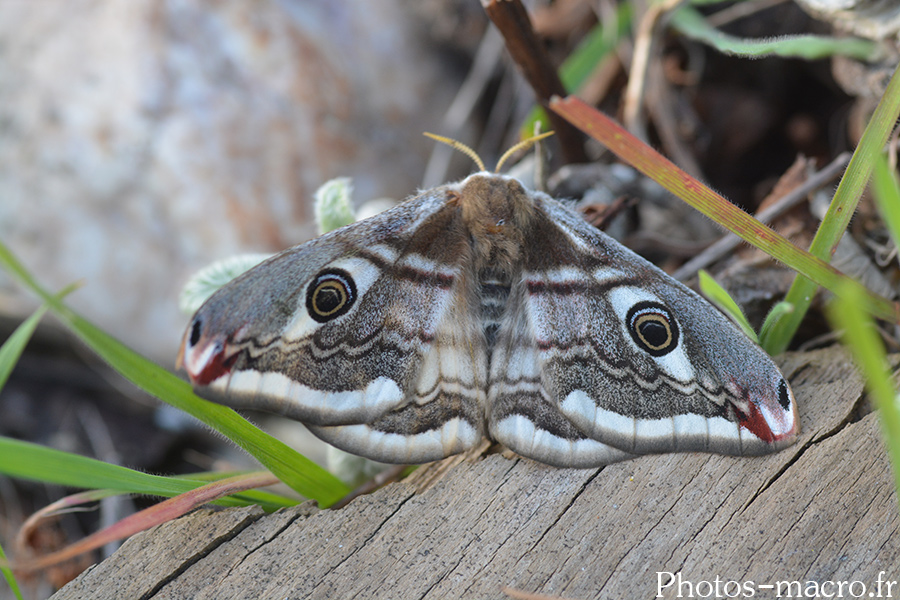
330 295
653 328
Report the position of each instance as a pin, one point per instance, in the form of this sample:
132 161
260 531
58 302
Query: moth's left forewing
636 361
361 334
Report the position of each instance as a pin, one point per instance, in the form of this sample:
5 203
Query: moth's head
243 318
759 395
764 407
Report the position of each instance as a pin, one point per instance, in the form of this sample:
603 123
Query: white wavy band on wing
278 393
724 436
598 423
427 265
520 435
454 436
680 433
385 252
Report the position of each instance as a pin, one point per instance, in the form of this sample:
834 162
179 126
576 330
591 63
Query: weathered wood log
821 511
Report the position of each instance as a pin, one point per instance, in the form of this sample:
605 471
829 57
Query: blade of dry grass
657 167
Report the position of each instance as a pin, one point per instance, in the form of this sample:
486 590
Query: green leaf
718 296
12 348
847 314
333 207
9 576
776 339
33 462
294 469
886 189
778 312
598 44
207 281
691 23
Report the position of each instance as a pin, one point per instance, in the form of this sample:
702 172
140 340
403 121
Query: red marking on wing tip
217 366
754 422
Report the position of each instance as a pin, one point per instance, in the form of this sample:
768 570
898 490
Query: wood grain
823 509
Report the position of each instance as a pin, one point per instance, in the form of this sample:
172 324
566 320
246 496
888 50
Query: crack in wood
302 512
251 516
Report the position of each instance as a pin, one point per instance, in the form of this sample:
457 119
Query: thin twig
527 50
729 242
637 77
483 67
660 108
741 10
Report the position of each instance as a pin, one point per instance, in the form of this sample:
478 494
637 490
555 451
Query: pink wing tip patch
206 363
770 421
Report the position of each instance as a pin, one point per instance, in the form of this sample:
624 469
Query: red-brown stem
527 50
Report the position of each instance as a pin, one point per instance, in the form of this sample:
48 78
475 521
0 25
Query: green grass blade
716 294
24 460
776 339
859 333
9 576
886 188
778 312
597 44
294 469
691 24
266 500
14 346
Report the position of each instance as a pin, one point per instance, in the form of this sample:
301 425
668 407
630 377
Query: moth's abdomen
493 296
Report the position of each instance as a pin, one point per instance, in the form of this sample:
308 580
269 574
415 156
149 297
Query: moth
481 308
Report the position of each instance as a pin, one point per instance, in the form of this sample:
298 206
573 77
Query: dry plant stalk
512 20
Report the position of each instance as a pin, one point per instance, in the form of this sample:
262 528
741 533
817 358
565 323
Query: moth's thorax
496 210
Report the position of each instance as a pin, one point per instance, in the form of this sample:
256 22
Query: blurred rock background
141 140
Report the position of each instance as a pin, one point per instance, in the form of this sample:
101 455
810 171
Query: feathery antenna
458 146
524 144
